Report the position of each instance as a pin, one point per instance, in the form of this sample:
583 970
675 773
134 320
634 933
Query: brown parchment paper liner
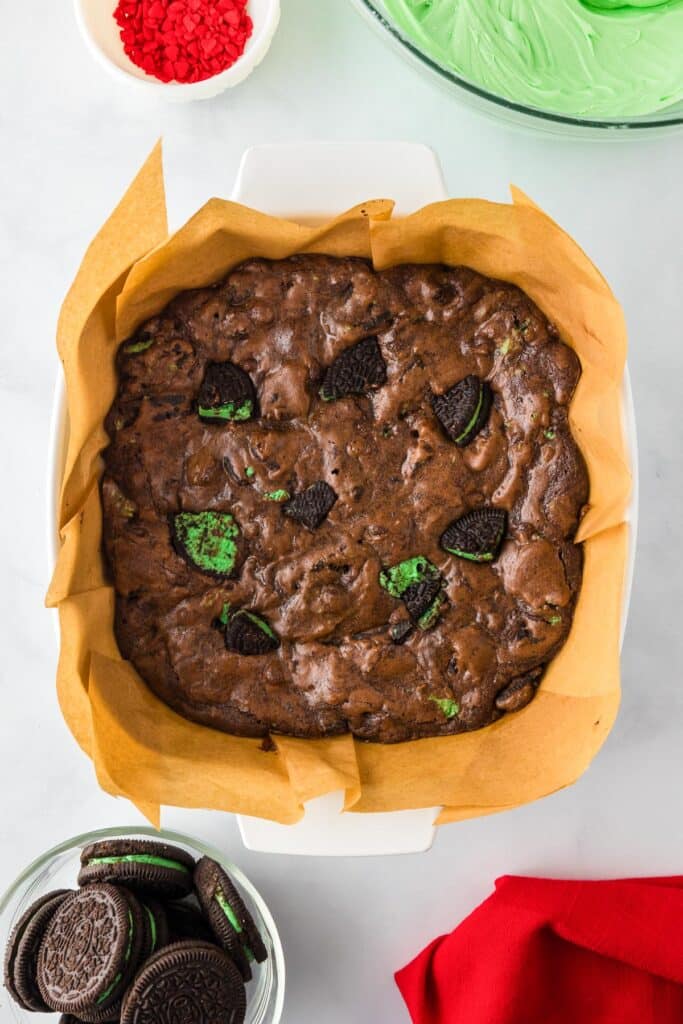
144 751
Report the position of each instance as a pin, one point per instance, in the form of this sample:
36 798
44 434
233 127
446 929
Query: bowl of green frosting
592 64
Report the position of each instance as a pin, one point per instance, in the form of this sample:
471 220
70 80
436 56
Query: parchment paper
144 751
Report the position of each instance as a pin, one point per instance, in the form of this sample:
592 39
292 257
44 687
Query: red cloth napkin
540 951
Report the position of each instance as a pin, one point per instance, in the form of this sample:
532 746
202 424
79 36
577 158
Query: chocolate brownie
337 500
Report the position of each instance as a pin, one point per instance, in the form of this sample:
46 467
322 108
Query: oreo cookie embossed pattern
339 499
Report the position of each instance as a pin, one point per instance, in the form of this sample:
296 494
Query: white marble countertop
71 140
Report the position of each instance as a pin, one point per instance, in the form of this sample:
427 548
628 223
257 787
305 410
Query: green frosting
596 58
229 411
232 918
209 540
141 858
280 495
249 471
450 707
399 577
119 977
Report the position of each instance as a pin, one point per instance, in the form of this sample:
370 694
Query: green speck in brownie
249 472
133 348
554 620
279 495
450 707
550 434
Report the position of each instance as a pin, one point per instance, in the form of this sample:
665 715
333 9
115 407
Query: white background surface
70 141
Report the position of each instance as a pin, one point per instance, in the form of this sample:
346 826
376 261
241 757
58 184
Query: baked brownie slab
340 499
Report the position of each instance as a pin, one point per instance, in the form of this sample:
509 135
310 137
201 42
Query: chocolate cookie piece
517 694
90 952
476 536
227 393
145 866
312 506
21 952
228 916
195 981
419 585
400 631
208 541
249 634
357 370
464 409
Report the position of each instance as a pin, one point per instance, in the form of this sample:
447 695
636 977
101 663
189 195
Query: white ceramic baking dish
311 182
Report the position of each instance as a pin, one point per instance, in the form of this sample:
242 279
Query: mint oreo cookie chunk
418 584
209 541
144 866
312 506
464 409
247 633
359 369
228 916
227 394
476 536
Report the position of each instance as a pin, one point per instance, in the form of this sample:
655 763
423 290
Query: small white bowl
102 34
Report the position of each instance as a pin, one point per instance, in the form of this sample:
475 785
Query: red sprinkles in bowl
184 40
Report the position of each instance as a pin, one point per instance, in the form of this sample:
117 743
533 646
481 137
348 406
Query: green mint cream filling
209 538
141 858
232 918
229 411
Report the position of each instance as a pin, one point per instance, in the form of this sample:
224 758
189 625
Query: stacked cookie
149 935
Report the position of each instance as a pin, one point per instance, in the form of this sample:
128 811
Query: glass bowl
377 15
58 868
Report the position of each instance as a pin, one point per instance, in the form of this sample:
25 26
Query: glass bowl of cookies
132 924
607 68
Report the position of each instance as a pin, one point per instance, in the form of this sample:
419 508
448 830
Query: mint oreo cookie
419 585
209 541
357 370
227 395
464 409
192 982
312 506
477 536
146 867
247 633
90 953
21 954
228 916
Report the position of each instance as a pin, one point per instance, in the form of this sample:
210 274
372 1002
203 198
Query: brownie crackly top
340 499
